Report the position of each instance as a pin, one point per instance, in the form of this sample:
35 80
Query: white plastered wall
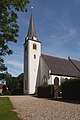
52 77
33 65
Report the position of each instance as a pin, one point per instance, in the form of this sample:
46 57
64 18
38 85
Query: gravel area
32 108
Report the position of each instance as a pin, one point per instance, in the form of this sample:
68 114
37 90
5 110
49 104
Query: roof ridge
54 56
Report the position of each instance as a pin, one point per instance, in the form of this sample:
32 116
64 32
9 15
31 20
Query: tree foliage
15 84
8 26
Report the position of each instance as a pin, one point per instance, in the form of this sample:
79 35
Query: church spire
31 30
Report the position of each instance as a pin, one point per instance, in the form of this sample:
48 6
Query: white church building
40 68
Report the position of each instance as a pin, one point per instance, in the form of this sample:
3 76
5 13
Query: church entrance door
56 86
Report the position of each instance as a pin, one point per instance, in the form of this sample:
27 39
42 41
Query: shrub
71 89
17 92
45 91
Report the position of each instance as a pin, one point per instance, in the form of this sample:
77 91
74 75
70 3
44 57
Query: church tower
32 53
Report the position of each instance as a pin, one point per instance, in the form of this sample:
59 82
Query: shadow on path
59 99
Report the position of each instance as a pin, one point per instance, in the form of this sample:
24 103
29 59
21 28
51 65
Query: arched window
56 81
44 80
34 46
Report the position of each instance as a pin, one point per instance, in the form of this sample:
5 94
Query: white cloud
14 72
64 38
15 63
14 67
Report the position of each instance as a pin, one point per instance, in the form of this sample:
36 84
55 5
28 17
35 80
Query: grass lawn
6 110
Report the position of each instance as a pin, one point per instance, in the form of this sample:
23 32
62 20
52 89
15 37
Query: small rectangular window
34 56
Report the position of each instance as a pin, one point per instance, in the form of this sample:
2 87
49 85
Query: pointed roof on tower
31 29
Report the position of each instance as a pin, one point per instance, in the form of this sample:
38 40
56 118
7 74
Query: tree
14 84
8 26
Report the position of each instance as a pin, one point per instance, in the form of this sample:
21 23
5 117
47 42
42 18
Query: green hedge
17 92
71 89
46 91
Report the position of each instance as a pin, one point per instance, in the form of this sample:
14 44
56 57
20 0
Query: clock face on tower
34 46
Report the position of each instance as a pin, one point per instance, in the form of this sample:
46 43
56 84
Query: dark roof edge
30 40
65 75
73 64
33 40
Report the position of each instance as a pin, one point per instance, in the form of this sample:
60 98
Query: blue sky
57 24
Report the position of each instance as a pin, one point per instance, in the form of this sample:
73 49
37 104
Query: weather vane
32 9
